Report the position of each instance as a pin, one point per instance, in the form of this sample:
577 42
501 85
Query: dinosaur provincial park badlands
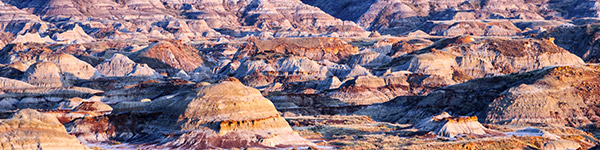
299 74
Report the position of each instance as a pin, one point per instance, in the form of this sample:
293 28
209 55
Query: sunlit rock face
299 74
168 56
511 99
223 115
446 125
120 65
30 129
265 14
181 20
45 74
464 57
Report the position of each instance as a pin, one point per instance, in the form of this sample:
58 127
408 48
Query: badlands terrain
300 74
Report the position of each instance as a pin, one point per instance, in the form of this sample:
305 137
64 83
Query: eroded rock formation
30 129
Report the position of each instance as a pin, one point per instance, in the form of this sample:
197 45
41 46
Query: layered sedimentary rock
579 40
168 56
364 90
566 93
401 17
21 56
18 22
90 129
19 95
266 14
30 129
403 47
446 125
71 67
465 57
370 59
478 28
183 20
32 37
13 84
261 63
120 65
75 36
64 9
254 119
146 73
561 144
223 115
332 49
45 74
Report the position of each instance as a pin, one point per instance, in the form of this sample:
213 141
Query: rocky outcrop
7 83
345 10
579 40
73 68
258 73
160 74
266 14
29 129
185 20
370 59
261 63
74 36
267 128
332 49
477 28
564 92
464 57
401 17
45 74
91 129
369 90
19 22
120 65
364 90
165 56
70 9
223 115
21 56
530 131
561 144
32 37
448 126
403 47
